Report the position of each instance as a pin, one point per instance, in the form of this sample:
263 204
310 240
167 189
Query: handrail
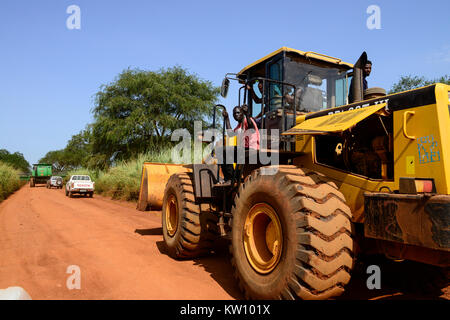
405 114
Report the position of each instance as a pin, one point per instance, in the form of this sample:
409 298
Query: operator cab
288 83
320 81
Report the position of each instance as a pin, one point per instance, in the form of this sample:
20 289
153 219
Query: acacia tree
412 82
140 109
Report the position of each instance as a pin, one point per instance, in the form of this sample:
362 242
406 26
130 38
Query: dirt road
119 251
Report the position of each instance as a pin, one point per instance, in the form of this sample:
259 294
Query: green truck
40 174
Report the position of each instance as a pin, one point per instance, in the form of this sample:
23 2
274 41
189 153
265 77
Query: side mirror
224 88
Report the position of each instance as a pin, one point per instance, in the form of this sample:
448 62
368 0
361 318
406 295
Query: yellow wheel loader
370 175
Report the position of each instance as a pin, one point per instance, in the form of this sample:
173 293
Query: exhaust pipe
357 82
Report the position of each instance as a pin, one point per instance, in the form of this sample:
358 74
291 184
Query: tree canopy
412 82
140 109
16 160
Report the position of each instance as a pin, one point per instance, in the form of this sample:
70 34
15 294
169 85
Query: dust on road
120 253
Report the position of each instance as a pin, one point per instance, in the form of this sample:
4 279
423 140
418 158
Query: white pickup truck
81 184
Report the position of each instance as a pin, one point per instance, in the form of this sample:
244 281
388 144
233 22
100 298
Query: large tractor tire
189 229
32 183
291 236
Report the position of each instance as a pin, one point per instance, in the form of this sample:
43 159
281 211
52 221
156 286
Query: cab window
317 87
275 91
256 106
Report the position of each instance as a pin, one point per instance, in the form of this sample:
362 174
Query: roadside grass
9 180
122 181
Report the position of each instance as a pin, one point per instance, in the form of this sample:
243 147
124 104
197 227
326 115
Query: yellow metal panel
443 113
337 122
421 136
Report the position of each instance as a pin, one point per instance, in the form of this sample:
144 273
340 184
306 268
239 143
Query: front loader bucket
153 183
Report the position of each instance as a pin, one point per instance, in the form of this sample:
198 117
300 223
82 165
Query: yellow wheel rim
263 238
172 215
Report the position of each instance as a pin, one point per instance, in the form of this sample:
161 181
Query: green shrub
123 180
9 180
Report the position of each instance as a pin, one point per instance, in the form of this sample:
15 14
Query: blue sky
50 74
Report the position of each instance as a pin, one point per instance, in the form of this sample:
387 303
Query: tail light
426 186
72 185
416 185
